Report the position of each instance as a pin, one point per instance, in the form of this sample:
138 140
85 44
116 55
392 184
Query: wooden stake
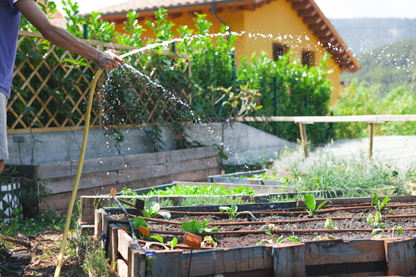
304 139
370 131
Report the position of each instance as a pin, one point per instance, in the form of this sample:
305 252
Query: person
10 10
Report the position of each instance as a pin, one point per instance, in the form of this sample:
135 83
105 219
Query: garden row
265 240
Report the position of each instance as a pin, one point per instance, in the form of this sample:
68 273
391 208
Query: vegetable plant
379 233
194 226
329 237
272 227
329 224
173 243
137 222
233 212
379 205
375 220
202 190
310 202
279 240
209 242
152 210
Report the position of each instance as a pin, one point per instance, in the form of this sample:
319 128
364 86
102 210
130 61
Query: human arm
106 60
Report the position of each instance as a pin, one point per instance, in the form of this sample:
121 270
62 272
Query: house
274 26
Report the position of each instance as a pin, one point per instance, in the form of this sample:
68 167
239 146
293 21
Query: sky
331 8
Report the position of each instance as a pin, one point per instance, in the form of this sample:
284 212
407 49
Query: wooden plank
304 139
98 223
289 260
400 256
60 202
88 207
167 263
112 242
90 180
220 261
69 168
122 268
359 200
136 262
340 251
371 133
104 228
353 118
124 242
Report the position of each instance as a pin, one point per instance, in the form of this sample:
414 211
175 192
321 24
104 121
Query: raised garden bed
353 252
258 177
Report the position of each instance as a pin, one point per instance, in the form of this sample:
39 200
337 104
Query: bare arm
106 60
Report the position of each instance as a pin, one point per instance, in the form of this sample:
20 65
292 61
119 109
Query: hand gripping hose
78 177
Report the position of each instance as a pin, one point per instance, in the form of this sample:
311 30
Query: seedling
137 222
379 205
272 227
375 221
379 233
390 211
152 210
208 242
194 226
329 237
233 212
310 202
329 224
279 240
173 243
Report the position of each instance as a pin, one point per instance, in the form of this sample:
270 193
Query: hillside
363 34
391 66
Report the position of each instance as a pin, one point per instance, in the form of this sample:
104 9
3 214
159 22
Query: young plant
379 205
152 210
329 224
233 212
208 242
173 243
319 238
310 202
272 227
137 222
194 226
399 230
379 233
279 240
375 221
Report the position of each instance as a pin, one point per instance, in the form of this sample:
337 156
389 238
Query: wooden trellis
49 93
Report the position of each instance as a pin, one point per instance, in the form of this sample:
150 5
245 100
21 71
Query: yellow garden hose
78 177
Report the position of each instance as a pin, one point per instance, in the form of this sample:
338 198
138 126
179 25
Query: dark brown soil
44 259
238 240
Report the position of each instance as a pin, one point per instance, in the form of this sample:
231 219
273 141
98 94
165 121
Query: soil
44 259
238 240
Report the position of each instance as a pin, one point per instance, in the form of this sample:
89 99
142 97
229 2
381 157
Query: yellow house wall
277 19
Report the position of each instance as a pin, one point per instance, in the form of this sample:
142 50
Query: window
279 50
308 58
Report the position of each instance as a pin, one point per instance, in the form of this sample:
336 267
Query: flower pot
10 201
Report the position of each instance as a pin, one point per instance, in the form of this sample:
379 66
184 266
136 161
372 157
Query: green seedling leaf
294 239
261 241
329 224
158 238
383 204
310 202
377 218
173 243
321 205
399 229
166 215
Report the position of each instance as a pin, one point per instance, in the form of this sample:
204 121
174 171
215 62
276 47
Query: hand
108 60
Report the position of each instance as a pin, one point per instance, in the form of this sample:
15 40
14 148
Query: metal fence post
85 33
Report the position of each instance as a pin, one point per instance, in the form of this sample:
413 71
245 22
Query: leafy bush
202 190
359 99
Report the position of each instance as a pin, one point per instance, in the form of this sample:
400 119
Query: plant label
144 231
139 204
113 192
192 241
124 229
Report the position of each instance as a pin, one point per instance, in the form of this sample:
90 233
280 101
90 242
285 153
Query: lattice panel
49 93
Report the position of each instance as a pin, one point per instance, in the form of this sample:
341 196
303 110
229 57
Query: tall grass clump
323 170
